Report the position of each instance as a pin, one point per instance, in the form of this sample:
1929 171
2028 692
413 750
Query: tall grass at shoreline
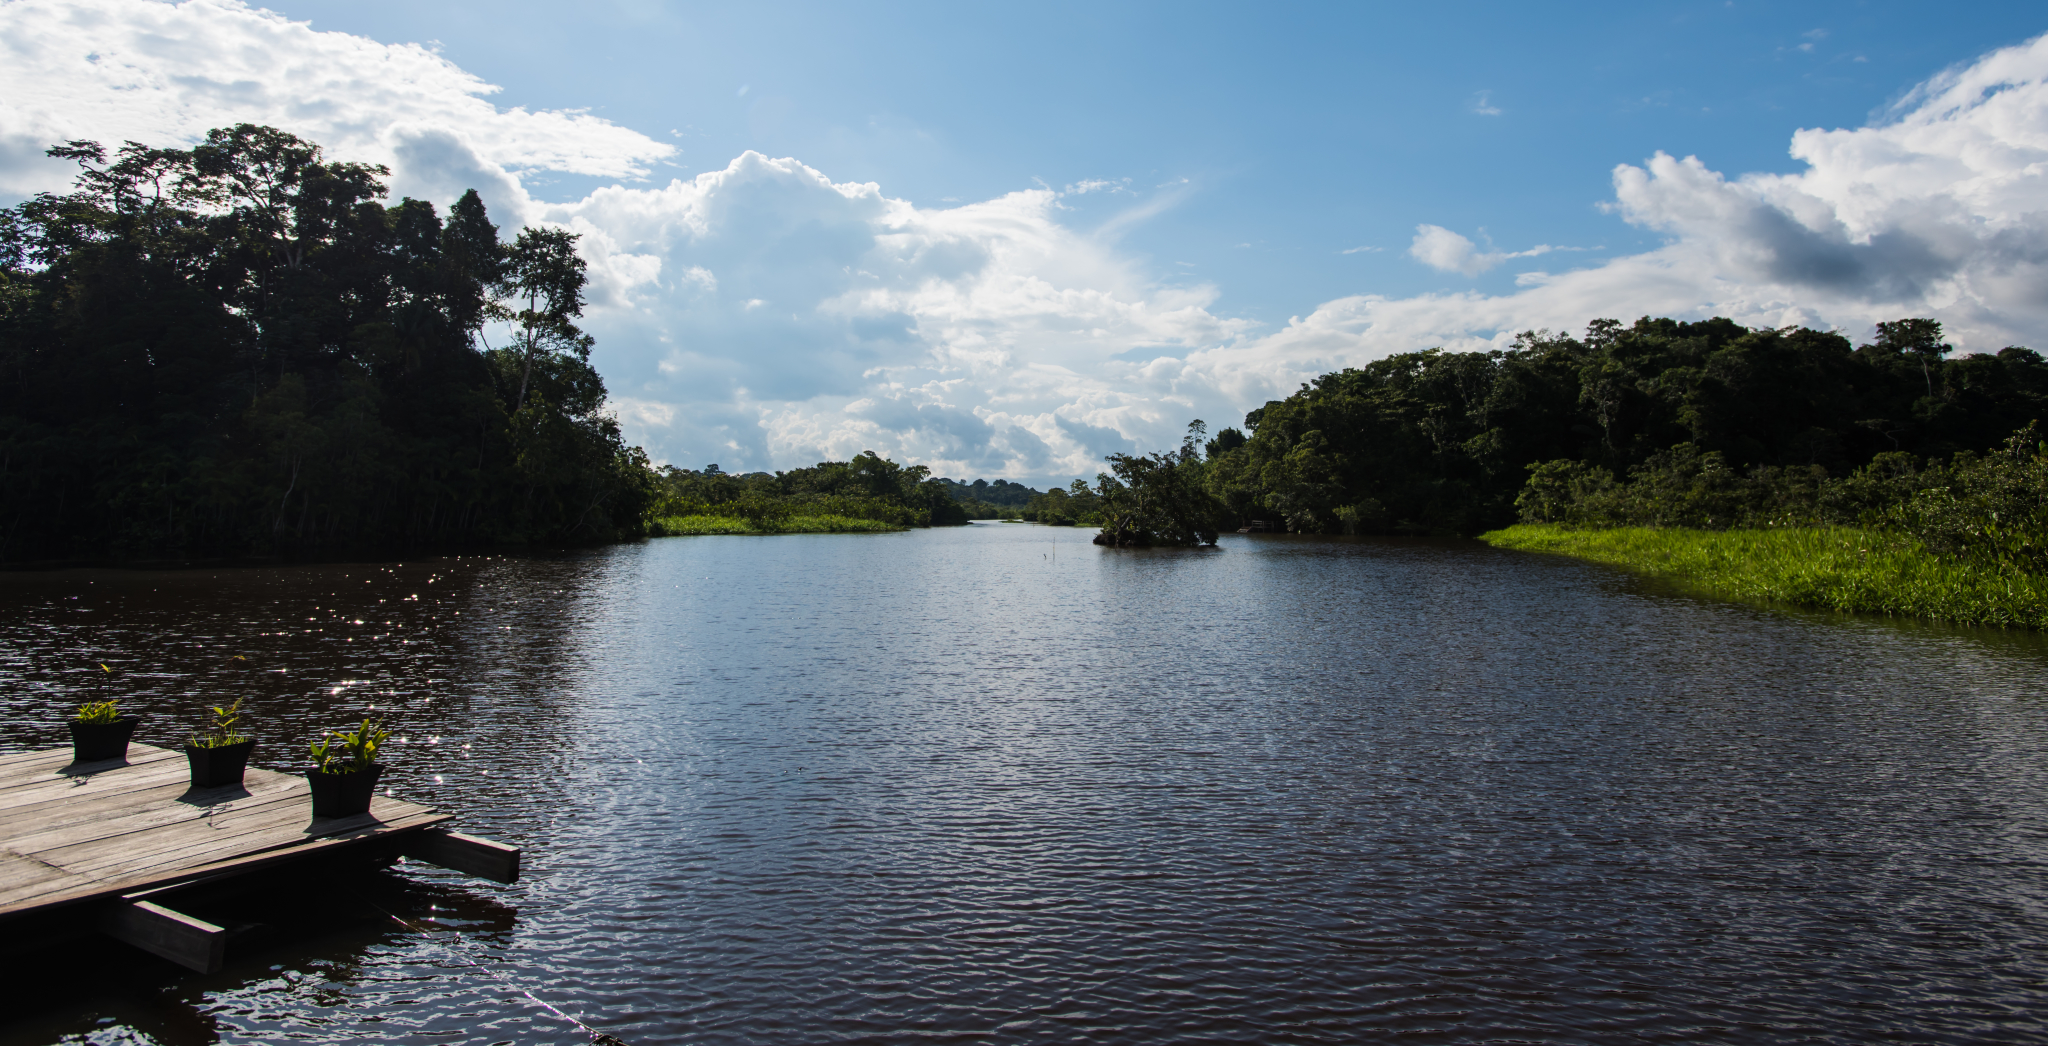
680 526
1832 568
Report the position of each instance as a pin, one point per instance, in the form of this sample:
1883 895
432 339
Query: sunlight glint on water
998 785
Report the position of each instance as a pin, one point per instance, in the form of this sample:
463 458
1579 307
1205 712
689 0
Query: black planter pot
343 795
214 767
94 742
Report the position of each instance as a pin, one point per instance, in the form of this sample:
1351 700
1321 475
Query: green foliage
679 526
1678 487
1001 494
985 510
240 347
1001 499
1443 442
1158 499
869 488
1078 505
98 712
223 732
347 751
1832 568
1991 509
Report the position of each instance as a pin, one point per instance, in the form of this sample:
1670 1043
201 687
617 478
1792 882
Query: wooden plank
464 853
29 755
18 764
117 778
193 943
30 788
19 874
58 816
140 790
66 828
262 826
51 760
72 789
244 863
32 755
118 813
271 827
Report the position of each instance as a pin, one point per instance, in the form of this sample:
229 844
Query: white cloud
1440 248
765 316
821 319
115 70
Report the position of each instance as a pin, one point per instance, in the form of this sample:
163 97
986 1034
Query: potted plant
344 773
100 732
219 757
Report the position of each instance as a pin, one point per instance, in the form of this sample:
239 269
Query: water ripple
997 786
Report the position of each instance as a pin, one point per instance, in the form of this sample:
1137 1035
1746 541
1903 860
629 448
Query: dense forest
238 347
1001 499
869 487
1446 443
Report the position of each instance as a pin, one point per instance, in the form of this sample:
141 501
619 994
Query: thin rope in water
598 1038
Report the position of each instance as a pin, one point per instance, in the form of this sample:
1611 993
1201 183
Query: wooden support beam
192 943
463 853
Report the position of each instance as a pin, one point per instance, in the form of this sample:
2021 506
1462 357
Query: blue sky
1005 241
1301 130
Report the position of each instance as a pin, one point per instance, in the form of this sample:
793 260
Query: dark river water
996 785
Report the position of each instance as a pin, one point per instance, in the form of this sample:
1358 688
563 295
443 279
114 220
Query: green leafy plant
223 733
98 712
347 751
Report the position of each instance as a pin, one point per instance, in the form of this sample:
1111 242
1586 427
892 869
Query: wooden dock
114 838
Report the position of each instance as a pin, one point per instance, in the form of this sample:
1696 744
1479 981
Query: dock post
463 853
192 943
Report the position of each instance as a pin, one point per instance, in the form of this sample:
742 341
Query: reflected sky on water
995 784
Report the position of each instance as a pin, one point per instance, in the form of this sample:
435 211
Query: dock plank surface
71 833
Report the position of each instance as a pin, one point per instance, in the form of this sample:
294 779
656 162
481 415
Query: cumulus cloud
765 316
116 70
1939 208
808 319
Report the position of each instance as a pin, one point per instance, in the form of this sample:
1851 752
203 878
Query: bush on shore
1832 568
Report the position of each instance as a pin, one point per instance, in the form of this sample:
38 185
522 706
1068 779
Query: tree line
1441 442
868 487
240 347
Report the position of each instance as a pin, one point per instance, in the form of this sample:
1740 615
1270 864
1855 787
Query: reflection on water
996 784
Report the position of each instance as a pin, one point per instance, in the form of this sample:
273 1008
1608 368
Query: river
996 785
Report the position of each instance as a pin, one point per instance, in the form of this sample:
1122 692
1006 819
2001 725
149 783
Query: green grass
677 526
1832 568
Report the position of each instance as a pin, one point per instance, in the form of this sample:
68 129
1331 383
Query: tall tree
545 276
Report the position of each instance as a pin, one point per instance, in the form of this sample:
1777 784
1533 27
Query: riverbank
1829 568
684 526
